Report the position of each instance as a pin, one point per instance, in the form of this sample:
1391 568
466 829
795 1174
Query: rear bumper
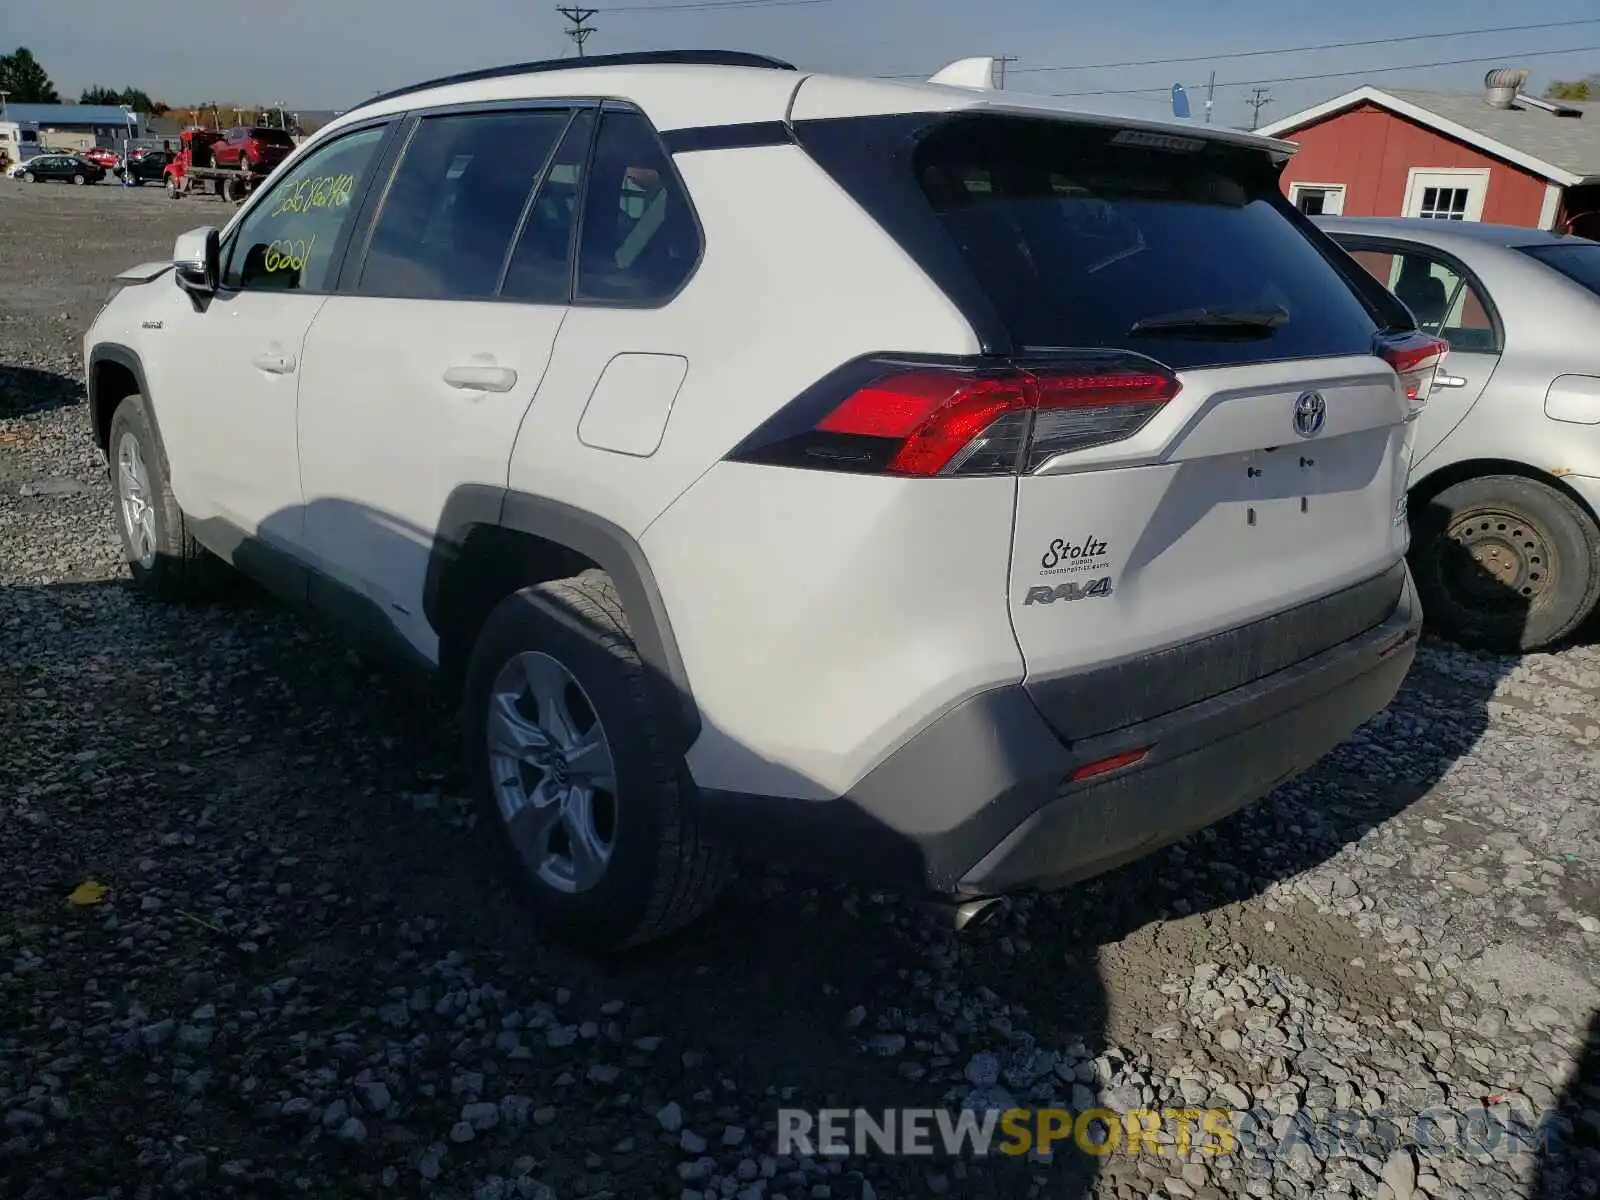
1029 824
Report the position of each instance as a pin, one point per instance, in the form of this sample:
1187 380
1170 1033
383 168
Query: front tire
568 758
30 177
165 561
1506 564
79 180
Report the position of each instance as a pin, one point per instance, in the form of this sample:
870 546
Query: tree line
26 82
1574 89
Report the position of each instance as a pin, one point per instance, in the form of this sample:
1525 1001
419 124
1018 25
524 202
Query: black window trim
341 249
355 263
1385 244
532 198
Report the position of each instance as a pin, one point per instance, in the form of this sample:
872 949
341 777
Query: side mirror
196 261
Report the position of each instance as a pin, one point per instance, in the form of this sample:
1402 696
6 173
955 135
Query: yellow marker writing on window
288 254
308 195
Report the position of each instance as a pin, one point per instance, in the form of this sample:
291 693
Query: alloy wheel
552 772
135 498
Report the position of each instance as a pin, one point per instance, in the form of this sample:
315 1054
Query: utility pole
580 29
1211 94
1259 98
1001 62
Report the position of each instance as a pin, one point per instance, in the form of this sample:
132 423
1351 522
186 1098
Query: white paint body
822 619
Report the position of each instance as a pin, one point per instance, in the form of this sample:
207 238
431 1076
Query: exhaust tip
961 915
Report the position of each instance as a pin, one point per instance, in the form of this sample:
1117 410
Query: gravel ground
301 979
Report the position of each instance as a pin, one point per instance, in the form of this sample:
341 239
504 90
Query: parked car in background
62 168
252 148
101 157
1505 479
147 166
1048 506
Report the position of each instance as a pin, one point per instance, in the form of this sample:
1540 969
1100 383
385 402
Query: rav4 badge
1069 591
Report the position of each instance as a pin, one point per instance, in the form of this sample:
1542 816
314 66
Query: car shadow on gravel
238 731
27 390
269 809
1569 1142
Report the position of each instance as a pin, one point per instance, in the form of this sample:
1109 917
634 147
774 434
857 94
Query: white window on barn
1444 204
1446 193
1318 199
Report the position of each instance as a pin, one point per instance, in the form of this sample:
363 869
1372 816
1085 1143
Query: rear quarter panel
1552 328
794 281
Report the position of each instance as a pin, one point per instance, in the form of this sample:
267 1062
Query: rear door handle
274 364
1450 381
481 378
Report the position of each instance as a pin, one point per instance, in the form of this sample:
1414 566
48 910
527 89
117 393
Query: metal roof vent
1502 85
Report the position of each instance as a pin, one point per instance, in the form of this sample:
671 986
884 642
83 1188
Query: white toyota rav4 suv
918 482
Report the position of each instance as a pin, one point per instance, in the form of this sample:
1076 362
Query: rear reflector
938 420
1415 357
1115 763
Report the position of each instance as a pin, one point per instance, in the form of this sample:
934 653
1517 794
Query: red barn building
1498 156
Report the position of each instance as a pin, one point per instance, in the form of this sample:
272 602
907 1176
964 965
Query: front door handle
481 378
1442 380
274 364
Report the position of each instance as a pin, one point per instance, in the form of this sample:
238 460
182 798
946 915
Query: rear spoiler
977 74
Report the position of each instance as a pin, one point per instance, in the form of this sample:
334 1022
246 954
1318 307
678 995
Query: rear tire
628 864
79 180
165 561
1505 563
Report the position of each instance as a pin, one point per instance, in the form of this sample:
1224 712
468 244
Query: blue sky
332 53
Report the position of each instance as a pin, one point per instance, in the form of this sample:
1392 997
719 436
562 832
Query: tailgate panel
1223 516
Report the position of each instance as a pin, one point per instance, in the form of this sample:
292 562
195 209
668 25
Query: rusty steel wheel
1506 558
1505 563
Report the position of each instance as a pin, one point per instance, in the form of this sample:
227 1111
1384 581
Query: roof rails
638 58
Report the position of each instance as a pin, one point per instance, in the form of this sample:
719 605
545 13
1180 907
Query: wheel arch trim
609 546
100 422
1449 474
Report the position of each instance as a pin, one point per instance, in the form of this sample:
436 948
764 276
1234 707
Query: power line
580 30
1259 98
1384 41
1415 66
1001 62
702 5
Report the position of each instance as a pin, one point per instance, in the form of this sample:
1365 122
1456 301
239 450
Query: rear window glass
1579 261
273 137
1076 239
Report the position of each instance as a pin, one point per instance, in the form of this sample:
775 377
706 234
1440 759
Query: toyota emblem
1310 410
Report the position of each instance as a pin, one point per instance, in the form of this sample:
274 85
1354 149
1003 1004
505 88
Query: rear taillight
878 416
1415 357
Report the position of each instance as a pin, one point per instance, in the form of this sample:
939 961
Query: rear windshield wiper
1215 322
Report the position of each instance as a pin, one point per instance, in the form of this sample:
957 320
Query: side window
541 268
639 239
287 241
1377 263
454 205
1442 301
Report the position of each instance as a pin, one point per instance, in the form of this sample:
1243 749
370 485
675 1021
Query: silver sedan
1505 476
